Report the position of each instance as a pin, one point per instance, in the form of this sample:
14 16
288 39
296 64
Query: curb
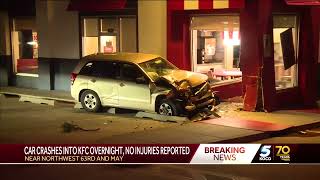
38 99
270 134
162 118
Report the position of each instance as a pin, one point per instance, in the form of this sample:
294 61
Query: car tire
168 108
90 101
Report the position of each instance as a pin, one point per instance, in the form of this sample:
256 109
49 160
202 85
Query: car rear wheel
90 101
168 108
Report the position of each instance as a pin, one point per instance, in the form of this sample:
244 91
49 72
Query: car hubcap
90 101
165 109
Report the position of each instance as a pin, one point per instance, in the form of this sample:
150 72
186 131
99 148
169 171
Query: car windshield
157 67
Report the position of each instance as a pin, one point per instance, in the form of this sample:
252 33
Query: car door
104 81
133 94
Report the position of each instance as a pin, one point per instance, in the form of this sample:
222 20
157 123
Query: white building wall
152 27
58 30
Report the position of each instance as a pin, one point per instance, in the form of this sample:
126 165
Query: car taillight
73 77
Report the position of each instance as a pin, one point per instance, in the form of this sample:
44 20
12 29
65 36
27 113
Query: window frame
296 39
100 33
138 68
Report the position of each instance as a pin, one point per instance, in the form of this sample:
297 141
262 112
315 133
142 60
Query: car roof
125 57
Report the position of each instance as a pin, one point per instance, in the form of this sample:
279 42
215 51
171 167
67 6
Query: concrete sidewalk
190 133
200 132
240 130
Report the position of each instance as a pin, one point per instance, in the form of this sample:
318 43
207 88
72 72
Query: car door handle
93 80
121 84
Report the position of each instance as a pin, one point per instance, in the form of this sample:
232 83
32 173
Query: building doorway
215 47
24 41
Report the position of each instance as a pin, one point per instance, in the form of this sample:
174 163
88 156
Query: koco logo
265 152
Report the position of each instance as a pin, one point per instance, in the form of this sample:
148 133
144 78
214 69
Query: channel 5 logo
265 153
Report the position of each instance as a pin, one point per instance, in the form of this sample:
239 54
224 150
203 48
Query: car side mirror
141 80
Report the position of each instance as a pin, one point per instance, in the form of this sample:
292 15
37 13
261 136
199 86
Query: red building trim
175 40
205 4
228 90
255 23
236 3
302 2
96 5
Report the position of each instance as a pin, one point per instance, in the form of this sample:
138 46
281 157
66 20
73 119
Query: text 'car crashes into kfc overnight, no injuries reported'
137 81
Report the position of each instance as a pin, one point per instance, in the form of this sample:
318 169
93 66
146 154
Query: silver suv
141 82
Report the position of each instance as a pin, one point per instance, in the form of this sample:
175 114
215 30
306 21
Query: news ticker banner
158 153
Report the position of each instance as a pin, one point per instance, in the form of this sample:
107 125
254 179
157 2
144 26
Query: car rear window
87 69
101 69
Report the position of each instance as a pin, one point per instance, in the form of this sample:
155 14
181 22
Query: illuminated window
90 39
108 35
285 42
215 43
24 40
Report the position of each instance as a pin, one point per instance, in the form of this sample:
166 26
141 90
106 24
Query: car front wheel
168 108
90 101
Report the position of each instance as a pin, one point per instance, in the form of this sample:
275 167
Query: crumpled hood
194 79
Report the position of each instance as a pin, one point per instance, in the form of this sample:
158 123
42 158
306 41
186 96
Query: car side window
104 69
130 72
87 69
114 70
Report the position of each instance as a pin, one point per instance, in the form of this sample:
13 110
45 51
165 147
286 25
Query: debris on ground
226 108
69 127
107 122
236 99
205 114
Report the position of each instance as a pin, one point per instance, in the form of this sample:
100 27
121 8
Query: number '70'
284 150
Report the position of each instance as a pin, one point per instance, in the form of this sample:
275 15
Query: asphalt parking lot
24 122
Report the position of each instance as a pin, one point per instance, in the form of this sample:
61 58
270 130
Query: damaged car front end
191 98
190 92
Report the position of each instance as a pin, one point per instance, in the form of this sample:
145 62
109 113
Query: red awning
96 5
303 2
